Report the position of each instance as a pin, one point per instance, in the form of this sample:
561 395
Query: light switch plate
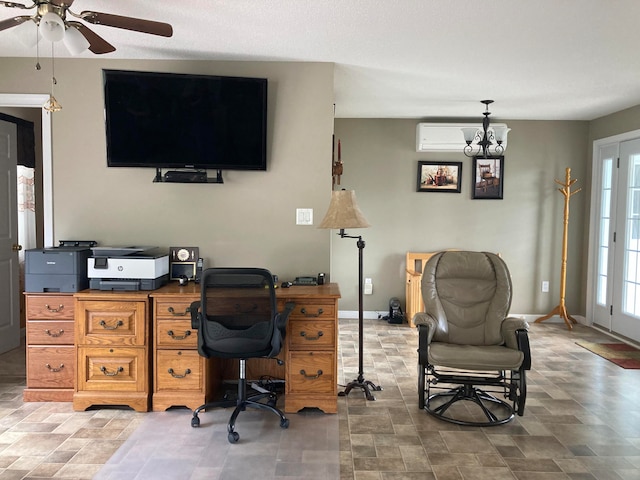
304 216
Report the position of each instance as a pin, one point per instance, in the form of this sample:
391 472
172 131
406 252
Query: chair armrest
509 326
426 326
522 337
283 317
195 319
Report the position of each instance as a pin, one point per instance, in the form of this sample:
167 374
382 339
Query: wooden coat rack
561 309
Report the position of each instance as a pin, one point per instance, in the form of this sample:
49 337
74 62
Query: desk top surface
330 290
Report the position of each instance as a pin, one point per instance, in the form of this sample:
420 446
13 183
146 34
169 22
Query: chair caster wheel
233 437
195 422
284 423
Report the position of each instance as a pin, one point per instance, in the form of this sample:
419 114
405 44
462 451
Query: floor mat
622 354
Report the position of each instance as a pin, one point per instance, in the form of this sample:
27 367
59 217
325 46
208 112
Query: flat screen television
169 120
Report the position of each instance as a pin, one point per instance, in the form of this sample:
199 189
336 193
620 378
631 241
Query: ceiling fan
55 21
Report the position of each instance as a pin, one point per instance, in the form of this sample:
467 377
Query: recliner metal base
492 410
480 390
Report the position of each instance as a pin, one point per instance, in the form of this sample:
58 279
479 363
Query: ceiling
431 59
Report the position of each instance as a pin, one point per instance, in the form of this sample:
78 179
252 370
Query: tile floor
582 422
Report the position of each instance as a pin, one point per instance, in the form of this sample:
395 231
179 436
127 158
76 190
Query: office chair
472 357
237 317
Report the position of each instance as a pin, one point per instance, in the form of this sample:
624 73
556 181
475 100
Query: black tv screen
168 120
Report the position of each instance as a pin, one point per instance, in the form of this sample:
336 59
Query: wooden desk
182 378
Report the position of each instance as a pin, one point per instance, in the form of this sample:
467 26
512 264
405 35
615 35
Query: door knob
16 247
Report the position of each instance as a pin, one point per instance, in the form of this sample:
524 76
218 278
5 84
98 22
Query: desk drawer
111 322
51 367
50 332
174 308
312 334
179 370
314 310
175 334
50 307
120 369
312 372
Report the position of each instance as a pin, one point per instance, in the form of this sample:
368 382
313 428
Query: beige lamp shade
344 212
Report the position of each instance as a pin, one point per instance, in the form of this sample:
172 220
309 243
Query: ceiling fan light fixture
27 33
52 27
75 41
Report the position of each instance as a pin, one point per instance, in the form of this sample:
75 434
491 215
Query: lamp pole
365 385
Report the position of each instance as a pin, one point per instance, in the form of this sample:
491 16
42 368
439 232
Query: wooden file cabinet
50 350
181 376
312 334
112 349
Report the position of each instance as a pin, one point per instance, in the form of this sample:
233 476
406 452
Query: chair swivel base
241 406
491 410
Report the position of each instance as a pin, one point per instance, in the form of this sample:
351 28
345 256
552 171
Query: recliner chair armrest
508 330
522 337
195 319
426 326
422 318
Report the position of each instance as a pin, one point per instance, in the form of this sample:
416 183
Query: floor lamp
344 213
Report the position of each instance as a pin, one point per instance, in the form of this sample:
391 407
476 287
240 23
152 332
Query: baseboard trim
529 317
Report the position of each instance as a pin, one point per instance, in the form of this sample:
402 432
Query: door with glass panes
616 253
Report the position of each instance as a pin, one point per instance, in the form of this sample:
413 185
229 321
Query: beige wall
249 220
380 164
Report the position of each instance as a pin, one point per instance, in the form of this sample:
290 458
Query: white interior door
616 251
9 295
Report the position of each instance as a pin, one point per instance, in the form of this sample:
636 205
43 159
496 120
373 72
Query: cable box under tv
180 176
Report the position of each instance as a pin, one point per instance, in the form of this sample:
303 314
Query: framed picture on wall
439 176
488 178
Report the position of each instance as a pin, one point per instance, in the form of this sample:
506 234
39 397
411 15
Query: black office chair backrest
238 316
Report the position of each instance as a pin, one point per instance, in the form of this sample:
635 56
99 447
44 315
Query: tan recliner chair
469 349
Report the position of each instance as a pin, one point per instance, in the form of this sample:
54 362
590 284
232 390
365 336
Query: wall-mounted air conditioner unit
447 137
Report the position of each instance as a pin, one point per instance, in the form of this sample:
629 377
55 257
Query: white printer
127 268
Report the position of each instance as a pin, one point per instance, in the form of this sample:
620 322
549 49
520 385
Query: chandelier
487 140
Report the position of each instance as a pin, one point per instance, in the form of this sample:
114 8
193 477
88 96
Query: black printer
56 269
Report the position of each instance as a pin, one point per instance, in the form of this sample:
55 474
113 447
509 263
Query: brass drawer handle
103 369
314 315
176 375
312 377
54 369
317 337
104 325
178 314
53 309
187 333
54 335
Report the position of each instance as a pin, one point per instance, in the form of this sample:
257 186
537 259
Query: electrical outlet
545 286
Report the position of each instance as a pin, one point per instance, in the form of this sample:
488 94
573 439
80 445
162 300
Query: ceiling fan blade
13 22
16 5
128 23
97 44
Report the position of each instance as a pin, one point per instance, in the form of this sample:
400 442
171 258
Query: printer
56 269
127 268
